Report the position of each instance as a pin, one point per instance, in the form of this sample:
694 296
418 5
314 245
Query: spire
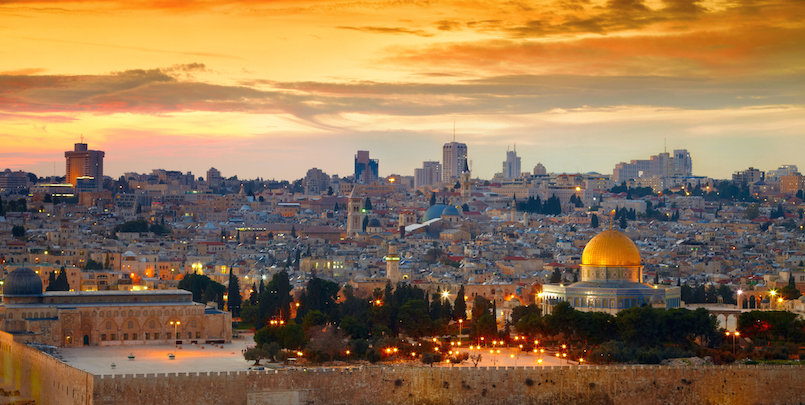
466 168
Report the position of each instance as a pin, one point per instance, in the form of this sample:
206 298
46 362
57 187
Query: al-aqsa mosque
611 275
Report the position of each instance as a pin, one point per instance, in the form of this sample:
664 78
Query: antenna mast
454 131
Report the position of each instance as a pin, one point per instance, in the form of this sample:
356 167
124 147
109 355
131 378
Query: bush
373 355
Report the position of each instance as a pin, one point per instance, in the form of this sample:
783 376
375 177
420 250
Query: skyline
273 88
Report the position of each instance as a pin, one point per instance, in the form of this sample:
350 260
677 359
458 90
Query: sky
272 88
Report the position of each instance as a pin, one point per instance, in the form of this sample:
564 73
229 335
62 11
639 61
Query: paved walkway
98 360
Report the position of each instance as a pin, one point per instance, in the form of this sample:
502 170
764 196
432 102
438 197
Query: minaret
465 183
393 265
354 215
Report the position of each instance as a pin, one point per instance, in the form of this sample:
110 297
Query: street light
734 335
175 325
738 301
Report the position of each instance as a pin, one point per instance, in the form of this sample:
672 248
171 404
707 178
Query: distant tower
355 214
87 164
465 183
539 170
393 265
454 157
366 170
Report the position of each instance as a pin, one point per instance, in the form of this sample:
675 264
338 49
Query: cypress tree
61 281
460 306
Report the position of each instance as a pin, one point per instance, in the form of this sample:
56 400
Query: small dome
245 208
435 211
451 210
374 223
129 253
22 281
611 248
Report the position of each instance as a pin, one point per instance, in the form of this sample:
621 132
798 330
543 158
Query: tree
432 199
256 355
18 231
365 223
752 212
367 205
414 319
594 221
234 300
465 208
93 265
198 284
460 306
51 281
329 341
622 222
330 190
61 281
556 276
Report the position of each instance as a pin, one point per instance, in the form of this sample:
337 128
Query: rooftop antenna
515 147
82 138
665 145
454 131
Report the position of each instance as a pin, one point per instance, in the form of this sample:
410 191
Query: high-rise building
87 164
454 158
366 170
775 176
429 174
683 166
748 176
661 165
316 182
213 177
539 170
511 166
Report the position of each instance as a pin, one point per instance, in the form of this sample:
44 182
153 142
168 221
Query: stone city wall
632 385
42 377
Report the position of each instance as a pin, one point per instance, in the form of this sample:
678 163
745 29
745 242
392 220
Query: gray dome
374 223
435 211
22 281
451 210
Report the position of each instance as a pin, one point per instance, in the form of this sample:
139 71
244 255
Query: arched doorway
752 302
86 340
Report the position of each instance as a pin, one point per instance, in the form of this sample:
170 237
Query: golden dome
611 248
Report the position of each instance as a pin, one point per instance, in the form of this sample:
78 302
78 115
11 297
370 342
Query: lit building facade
611 274
82 162
106 318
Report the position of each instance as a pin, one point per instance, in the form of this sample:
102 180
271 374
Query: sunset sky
272 88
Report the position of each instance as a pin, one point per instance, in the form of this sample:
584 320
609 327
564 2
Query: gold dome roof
610 248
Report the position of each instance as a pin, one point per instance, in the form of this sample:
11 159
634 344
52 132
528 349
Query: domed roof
451 210
435 211
611 248
374 223
22 281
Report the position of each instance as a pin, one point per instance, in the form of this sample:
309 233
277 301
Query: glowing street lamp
734 335
175 326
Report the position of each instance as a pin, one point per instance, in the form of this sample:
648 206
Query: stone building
611 274
106 318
